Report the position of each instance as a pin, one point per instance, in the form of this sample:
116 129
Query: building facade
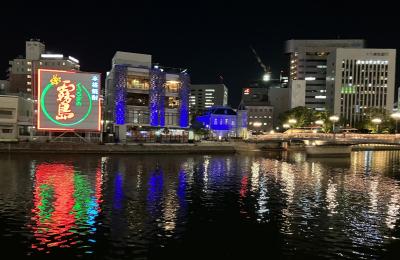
359 79
16 114
22 73
142 99
204 96
224 122
259 111
308 62
4 86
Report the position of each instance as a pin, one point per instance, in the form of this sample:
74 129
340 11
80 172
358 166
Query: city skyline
212 41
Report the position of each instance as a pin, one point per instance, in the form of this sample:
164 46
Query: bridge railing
329 136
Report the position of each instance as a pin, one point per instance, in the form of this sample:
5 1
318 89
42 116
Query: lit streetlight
376 121
396 117
319 122
292 121
286 126
333 119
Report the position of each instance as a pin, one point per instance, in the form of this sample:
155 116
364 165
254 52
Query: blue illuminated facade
222 121
143 96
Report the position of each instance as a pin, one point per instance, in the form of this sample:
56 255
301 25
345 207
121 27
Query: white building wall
359 79
298 93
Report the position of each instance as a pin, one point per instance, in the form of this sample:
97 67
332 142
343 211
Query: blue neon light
120 94
184 98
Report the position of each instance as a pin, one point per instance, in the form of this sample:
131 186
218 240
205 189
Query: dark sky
210 39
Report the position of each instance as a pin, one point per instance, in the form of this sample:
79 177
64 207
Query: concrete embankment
114 149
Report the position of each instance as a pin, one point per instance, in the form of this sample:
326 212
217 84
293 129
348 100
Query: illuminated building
22 71
144 101
203 96
224 122
308 62
359 79
259 110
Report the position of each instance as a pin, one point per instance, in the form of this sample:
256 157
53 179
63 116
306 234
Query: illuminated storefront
142 100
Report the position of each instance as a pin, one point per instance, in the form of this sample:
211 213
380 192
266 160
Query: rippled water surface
200 206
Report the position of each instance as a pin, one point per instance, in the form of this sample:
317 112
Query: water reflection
66 204
141 206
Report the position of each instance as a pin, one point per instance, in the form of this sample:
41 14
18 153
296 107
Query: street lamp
319 122
292 121
376 121
286 126
333 119
396 116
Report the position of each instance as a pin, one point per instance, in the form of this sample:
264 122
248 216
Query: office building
359 79
204 96
308 62
145 101
279 100
23 70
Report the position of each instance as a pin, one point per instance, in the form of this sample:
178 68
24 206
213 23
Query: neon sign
68 100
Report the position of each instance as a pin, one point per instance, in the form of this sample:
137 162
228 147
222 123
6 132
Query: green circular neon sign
44 109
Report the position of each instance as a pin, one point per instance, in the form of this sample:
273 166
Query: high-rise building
204 96
141 99
358 79
308 62
23 70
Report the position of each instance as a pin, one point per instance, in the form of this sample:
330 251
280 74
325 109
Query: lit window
210 90
29 69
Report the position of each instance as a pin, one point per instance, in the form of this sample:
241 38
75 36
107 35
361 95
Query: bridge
337 138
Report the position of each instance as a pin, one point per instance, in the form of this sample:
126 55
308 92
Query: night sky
211 40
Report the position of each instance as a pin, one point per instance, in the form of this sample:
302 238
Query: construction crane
267 72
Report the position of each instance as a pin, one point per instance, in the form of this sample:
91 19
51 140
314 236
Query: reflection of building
224 121
142 99
308 62
15 117
359 79
203 96
22 71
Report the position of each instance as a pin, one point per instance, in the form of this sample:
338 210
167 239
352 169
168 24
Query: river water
200 206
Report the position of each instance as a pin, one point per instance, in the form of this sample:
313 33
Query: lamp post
292 121
333 119
286 126
396 117
377 121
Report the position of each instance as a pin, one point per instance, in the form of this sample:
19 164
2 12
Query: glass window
137 99
137 82
172 102
172 86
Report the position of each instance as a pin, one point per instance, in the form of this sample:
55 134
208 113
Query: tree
306 117
386 126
